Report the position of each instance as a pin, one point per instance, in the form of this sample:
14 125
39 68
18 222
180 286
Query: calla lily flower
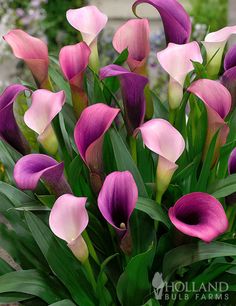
217 100
9 130
34 167
89 132
132 86
90 22
44 108
176 60
134 35
117 200
176 21
163 139
74 59
214 44
199 215
232 162
33 52
68 219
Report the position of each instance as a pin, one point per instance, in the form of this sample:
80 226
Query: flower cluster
115 163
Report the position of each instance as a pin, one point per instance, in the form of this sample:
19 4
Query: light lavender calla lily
199 215
9 130
132 86
32 168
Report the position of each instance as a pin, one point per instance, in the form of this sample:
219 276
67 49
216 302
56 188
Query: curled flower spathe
117 199
134 35
9 130
33 52
176 60
176 21
199 215
68 219
44 108
32 168
132 86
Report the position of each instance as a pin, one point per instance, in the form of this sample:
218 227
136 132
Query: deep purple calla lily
217 100
134 35
199 215
67 220
232 162
34 167
74 59
176 21
117 199
9 130
132 86
89 132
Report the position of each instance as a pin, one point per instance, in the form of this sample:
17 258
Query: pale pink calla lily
32 168
176 60
33 52
199 215
214 44
68 219
89 132
73 60
163 139
44 108
134 35
217 100
88 20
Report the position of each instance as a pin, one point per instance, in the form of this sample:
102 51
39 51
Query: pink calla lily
134 35
214 44
44 108
74 59
176 60
73 210
34 167
217 100
199 215
176 21
33 52
163 139
117 199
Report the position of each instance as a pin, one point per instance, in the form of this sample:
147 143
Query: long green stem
133 148
172 116
89 270
91 249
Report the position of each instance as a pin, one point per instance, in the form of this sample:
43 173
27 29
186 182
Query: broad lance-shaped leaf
67 220
74 60
217 100
214 44
134 36
132 86
9 130
199 215
89 132
117 199
33 51
44 108
33 167
176 60
176 21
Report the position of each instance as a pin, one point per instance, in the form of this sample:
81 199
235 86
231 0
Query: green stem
91 249
172 116
159 197
89 270
133 148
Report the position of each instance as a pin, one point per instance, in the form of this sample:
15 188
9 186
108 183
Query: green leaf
223 187
63 303
186 255
160 111
124 160
13 297
200 70
48 200
153 209
30 282
134 285
61 262
152 302
122 57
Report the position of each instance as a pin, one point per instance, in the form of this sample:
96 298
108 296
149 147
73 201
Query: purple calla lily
176 21
232 162
89 132
199 215
34 167
9 130
132 86
117 200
